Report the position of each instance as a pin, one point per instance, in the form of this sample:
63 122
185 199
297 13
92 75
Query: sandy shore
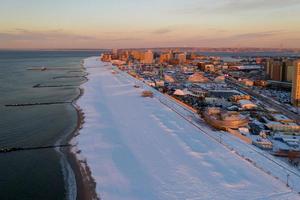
84 181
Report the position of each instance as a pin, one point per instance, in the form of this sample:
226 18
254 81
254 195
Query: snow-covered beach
137 148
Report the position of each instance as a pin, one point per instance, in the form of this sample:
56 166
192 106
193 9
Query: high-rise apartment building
165 57
280 70
181 57
296 85
148 58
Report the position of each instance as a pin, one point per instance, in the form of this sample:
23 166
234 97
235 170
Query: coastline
85 184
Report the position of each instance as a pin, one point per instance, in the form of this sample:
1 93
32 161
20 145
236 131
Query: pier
75 71
52 86
58 77
48 69
36 104
14 149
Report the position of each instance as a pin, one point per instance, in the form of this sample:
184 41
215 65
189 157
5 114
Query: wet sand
86 186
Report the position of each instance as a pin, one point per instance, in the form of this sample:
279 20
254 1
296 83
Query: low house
281 118
263 143
247 82
247 104
285 127
209 68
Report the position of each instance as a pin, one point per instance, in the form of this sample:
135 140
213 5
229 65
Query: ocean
38 174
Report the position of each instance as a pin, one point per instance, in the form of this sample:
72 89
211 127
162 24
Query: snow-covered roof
245 102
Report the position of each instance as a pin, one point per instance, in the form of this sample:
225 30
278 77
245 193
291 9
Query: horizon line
134 48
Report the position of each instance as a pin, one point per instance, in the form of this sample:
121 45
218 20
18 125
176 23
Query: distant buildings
114 51
296 85
209 68
114 55
181 57
106 57
280 70
165 57
148 57
137 55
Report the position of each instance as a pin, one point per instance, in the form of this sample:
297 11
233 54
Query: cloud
257 35
236 6
162 31
27 35
124 39
267 38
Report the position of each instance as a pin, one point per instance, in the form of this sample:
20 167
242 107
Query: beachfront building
181 57
106 57
114 51
148 57
165 57
137 55
223 120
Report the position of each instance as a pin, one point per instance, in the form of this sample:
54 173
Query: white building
247 104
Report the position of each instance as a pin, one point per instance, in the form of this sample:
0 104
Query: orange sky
156 23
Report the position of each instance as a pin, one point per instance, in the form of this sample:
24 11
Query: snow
139 148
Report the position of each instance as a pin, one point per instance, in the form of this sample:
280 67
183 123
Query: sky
52 24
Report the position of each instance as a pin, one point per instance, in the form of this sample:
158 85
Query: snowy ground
138 148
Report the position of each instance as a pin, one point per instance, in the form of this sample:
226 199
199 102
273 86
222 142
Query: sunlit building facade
296 85
181 57
148 57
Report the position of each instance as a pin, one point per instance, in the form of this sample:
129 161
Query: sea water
38 174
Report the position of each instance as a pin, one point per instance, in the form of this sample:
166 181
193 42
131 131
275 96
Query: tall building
165 57
114 55
114 51
274 69
181 57
289 70
124 56
148 58
280 70
137 55
296 85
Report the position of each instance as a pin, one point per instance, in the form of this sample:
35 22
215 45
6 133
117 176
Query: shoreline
85 184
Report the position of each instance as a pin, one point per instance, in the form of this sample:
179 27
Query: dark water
37 174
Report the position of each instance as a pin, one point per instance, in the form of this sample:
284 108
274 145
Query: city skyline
136 24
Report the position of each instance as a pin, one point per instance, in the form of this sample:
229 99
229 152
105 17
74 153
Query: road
279 107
